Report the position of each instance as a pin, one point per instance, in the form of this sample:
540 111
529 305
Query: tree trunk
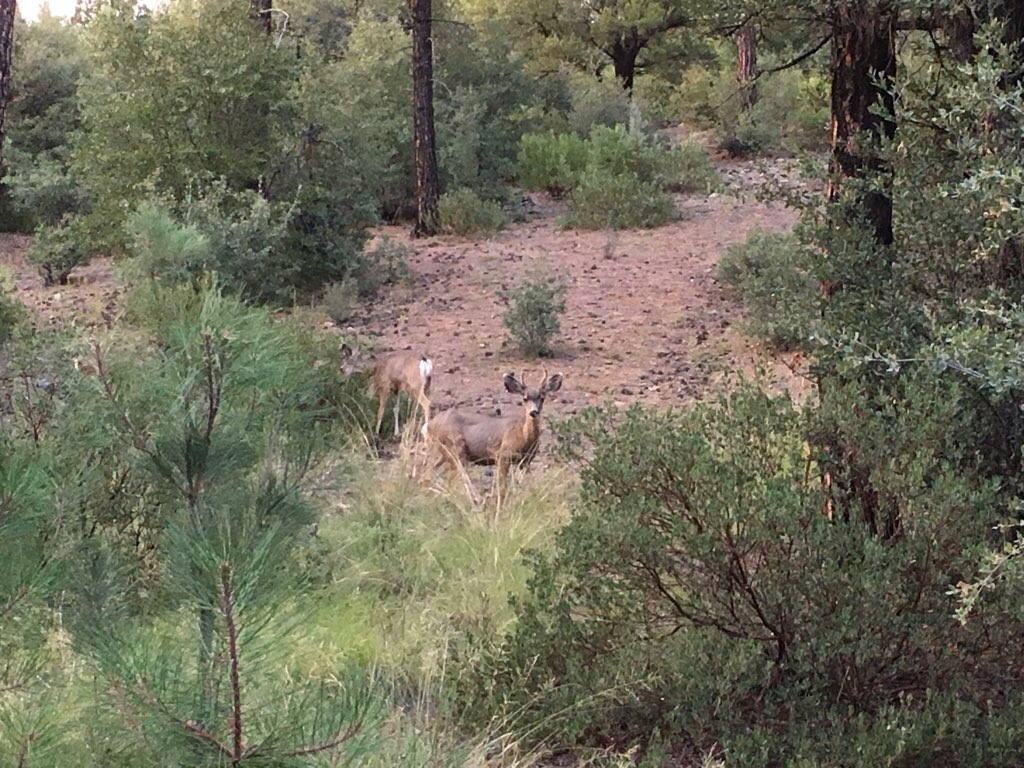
260 12
863 70
7 8
746 64
428 186
1011 13
624 55
960 32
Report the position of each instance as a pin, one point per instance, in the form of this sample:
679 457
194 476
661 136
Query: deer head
533 399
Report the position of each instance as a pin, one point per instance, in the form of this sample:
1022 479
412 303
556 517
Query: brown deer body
459 437
393 374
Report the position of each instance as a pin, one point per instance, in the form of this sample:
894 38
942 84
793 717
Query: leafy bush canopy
614 179
532 318
462 212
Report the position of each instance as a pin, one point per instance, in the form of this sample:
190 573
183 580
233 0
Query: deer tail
426 370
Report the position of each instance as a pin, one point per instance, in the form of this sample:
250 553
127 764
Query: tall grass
409 566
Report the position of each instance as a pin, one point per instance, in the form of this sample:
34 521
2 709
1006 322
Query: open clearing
646 319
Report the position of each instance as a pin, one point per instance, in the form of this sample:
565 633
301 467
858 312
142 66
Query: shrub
43 122
688 168
341 300
616 179
383 264
623 631
551 162
596 103
791 110
618 201
263 251
771 273
532 317
12 312
462 212
59 249
44 189
165 250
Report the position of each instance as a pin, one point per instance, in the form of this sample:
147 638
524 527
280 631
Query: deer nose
534 411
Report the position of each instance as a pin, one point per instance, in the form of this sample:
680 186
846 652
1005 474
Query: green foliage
340 301
164 250
386 263
595 103
256 248
12 312
462 212
688 168
684 512
58 249
771 274
43 121
532 318
791 110
557 32
207 98
615 179
618 201
481 110
213 438
551 162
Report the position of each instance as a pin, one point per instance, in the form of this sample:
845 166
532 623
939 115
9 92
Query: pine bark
863 70
7 10
428 186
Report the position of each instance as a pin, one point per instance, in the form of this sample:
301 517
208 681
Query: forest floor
646 320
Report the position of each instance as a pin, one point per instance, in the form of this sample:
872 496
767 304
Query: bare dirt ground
646 319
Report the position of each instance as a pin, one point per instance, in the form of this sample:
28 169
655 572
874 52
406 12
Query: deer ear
552 384
514 385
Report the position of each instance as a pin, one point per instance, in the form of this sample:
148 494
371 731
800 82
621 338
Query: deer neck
530 430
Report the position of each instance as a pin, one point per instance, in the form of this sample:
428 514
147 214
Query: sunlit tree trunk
428 186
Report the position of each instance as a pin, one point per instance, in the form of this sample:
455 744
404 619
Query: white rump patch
426 367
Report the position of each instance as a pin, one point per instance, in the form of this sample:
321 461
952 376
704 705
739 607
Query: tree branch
324 746
799 59
227 607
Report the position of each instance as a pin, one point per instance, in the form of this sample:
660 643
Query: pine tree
225 422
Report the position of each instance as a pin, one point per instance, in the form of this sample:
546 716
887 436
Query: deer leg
398 403
382 400
502 467
424 404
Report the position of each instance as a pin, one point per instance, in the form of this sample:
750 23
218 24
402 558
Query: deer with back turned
458 437
392 375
